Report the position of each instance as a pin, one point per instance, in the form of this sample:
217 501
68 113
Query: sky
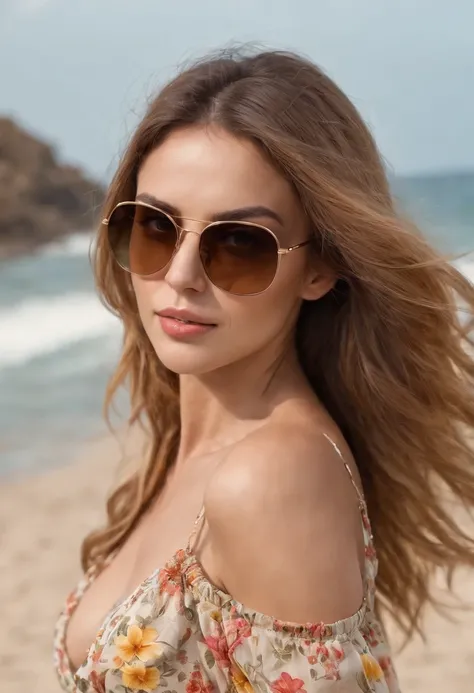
79 72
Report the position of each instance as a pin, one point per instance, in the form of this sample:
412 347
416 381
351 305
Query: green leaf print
123 626
82 685
210 660
167 670
283 653
188 613
185 638
363 683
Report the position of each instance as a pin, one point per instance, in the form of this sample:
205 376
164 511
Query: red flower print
137 596
182 657
371 637
196 684
97 654
322 651
169 579
370 552
329 655
336 653
236 630
385 664
220 650
98 682
333 651
317 630
116 620
331 671
287 684
366 522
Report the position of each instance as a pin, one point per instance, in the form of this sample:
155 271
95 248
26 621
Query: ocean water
59 345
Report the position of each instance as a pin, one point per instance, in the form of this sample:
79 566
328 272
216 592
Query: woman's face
203 174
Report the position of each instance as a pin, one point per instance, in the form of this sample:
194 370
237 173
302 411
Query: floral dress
179 633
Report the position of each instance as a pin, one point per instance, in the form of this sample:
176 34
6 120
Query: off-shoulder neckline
196 579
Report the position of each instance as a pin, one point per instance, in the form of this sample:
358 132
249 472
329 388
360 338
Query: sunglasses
239 257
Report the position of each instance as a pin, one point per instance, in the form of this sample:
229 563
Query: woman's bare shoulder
284 525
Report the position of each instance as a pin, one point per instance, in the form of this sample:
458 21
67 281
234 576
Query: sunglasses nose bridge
183 232
181 236
184 269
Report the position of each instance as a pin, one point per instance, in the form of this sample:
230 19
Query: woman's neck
222 407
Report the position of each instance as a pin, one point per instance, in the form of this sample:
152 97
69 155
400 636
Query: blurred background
74 80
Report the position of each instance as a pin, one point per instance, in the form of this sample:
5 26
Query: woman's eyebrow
243 213
155 202
239 214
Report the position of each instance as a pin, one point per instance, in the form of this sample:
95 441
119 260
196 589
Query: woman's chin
187 359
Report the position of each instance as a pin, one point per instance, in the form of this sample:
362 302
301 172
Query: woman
295 349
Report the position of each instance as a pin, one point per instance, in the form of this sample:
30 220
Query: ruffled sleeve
178 632
255 653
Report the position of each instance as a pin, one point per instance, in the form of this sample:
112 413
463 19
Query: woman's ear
319 282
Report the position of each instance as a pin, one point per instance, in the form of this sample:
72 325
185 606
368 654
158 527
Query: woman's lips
180 327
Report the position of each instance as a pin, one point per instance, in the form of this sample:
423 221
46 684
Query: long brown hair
387 350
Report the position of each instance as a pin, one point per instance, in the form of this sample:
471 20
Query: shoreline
43 519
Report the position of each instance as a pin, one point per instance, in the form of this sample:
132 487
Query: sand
42 522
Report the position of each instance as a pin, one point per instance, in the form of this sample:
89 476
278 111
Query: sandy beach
42 522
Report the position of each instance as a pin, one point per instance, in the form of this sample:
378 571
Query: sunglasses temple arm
285 251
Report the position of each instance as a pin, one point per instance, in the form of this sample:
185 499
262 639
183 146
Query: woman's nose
185 270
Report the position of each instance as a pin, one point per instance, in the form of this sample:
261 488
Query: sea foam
37 327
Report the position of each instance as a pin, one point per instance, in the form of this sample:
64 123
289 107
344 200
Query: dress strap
196 527
360 495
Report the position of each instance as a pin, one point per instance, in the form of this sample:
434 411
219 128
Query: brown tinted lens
239 258
142 239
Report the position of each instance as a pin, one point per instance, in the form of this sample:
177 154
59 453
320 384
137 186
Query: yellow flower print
240 681
372 668
138 677
137 643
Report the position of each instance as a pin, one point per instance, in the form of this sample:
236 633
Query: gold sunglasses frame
181 231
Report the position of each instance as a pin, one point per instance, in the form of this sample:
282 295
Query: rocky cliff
41 199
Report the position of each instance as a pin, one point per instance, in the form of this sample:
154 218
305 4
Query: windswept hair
387 350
